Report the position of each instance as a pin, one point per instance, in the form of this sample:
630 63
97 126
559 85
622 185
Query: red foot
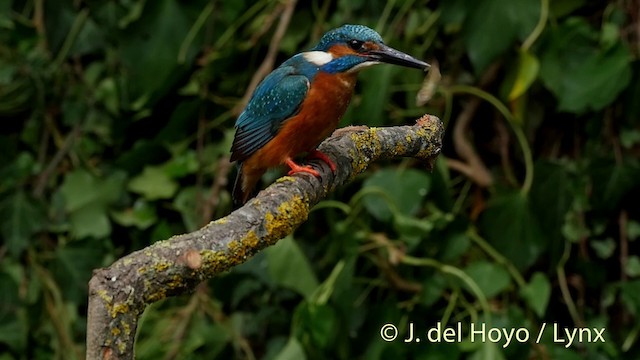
295 168
317 154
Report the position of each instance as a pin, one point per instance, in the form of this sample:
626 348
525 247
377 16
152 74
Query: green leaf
375 96
612 182
107 94
186 202
456 244
5 15
153 184
487 351
405 189
432 289
557 352
633 230
91 220
90 39
13 331
553 192
629 138
80 189
149 80
20 217
630 292
73 265
579 72
182 164
13 324
511 228
560 8
322 294
292 351
315 322
632 268
491 278
494 25
141 215
87 199
537 293
289 267
604 248
528 67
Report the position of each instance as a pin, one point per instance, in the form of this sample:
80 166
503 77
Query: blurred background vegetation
116 119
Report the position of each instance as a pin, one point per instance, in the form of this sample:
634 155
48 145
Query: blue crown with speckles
346 33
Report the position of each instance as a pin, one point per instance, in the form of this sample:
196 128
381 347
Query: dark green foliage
116 121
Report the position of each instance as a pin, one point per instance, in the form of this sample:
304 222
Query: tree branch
119 293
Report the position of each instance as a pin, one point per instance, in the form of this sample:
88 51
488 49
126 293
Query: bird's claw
317 154
295 168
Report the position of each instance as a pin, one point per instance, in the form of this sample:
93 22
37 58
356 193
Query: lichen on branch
119 293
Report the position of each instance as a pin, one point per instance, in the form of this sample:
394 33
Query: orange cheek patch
371 46
341 50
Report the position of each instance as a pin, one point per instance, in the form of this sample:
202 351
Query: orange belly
319 116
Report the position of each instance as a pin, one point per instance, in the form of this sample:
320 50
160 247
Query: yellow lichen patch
119 308
213 261
427 135
115 331
104 296
176 282
285 179
125 326
156 296
368 142
221 221
122 346
239 251
288 215
251 239
359 166
161 266
236 251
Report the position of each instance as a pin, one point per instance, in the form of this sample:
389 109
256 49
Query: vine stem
542 21
517 130
458 273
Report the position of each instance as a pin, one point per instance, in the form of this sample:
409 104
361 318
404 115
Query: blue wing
277 98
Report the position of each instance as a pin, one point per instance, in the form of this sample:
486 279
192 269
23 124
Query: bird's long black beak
392 56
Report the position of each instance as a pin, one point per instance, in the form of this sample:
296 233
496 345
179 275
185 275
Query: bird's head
352 47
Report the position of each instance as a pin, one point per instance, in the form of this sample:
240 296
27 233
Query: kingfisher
301 102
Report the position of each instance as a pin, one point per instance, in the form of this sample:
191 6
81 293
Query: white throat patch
318 58
363 65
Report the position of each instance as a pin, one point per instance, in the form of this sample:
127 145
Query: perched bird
301 102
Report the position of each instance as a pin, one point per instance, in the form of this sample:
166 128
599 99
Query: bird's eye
356 45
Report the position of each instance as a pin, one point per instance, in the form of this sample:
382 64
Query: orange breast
319 115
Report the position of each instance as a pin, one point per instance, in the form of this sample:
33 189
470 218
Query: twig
120 293
219 182
269 60
564 287
472 165
44 176
386 264
623 221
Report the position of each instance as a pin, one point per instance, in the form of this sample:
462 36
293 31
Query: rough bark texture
119 293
